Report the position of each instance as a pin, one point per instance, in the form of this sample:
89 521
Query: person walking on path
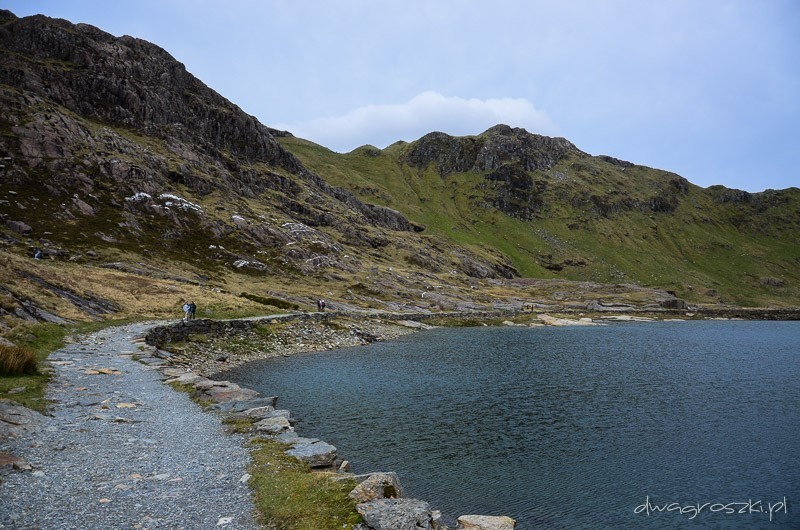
192 310
186 309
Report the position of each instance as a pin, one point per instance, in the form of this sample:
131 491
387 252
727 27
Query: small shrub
16 360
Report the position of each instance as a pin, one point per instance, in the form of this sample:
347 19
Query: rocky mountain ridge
115 156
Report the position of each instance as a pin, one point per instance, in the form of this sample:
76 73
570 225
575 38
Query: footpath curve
123 450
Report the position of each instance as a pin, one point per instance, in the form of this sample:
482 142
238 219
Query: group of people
320 305
189 310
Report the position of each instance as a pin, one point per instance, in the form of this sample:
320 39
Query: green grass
595 224
289 496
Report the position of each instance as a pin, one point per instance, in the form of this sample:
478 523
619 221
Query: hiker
186 309
192 310
37 254
319 305
322 305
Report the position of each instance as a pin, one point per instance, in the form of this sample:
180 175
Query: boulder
485 522
397 514
315 454
18 226
273 425
377 486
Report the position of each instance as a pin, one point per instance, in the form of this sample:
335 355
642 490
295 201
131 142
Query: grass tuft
18 360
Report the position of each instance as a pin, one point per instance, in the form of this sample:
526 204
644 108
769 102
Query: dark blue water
567 427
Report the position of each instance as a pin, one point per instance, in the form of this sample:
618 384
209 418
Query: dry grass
17 360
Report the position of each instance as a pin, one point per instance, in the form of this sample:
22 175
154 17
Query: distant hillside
141 187
557 212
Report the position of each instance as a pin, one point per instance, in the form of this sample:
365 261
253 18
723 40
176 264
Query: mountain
142 187
557 212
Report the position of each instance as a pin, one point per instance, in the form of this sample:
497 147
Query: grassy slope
696 250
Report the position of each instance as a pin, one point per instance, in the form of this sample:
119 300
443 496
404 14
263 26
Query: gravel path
124 450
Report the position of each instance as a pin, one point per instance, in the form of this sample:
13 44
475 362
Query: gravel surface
124 450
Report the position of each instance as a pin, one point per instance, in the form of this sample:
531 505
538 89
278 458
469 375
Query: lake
631 425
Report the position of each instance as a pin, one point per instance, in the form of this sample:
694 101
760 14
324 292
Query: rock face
499 145
98 133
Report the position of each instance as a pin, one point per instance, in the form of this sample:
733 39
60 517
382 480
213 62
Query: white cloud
381 125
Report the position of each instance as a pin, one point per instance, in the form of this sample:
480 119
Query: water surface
567 427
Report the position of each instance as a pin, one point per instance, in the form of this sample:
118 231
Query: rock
344 467
292 438
377 486
673 303
16 419
257 413
316 454
397 514
485 522
245 404
596 305
18 227
414 324
5 342
13 461
172 373
229 392
552 321
186 379
273 425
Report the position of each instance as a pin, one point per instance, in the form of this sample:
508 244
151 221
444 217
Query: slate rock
485 522
16 419
273 425
316 454
256 413
245 404
397 514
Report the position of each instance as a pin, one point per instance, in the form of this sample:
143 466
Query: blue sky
708 89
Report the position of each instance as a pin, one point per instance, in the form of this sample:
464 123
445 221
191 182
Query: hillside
557 212
142 187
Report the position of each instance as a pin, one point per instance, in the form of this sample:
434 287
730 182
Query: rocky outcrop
499 145
128 81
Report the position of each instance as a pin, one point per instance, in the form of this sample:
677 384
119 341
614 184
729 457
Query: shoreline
232 343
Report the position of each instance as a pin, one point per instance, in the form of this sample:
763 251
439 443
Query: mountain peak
498 145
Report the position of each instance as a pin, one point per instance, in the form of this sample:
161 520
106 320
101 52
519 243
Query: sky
706 89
